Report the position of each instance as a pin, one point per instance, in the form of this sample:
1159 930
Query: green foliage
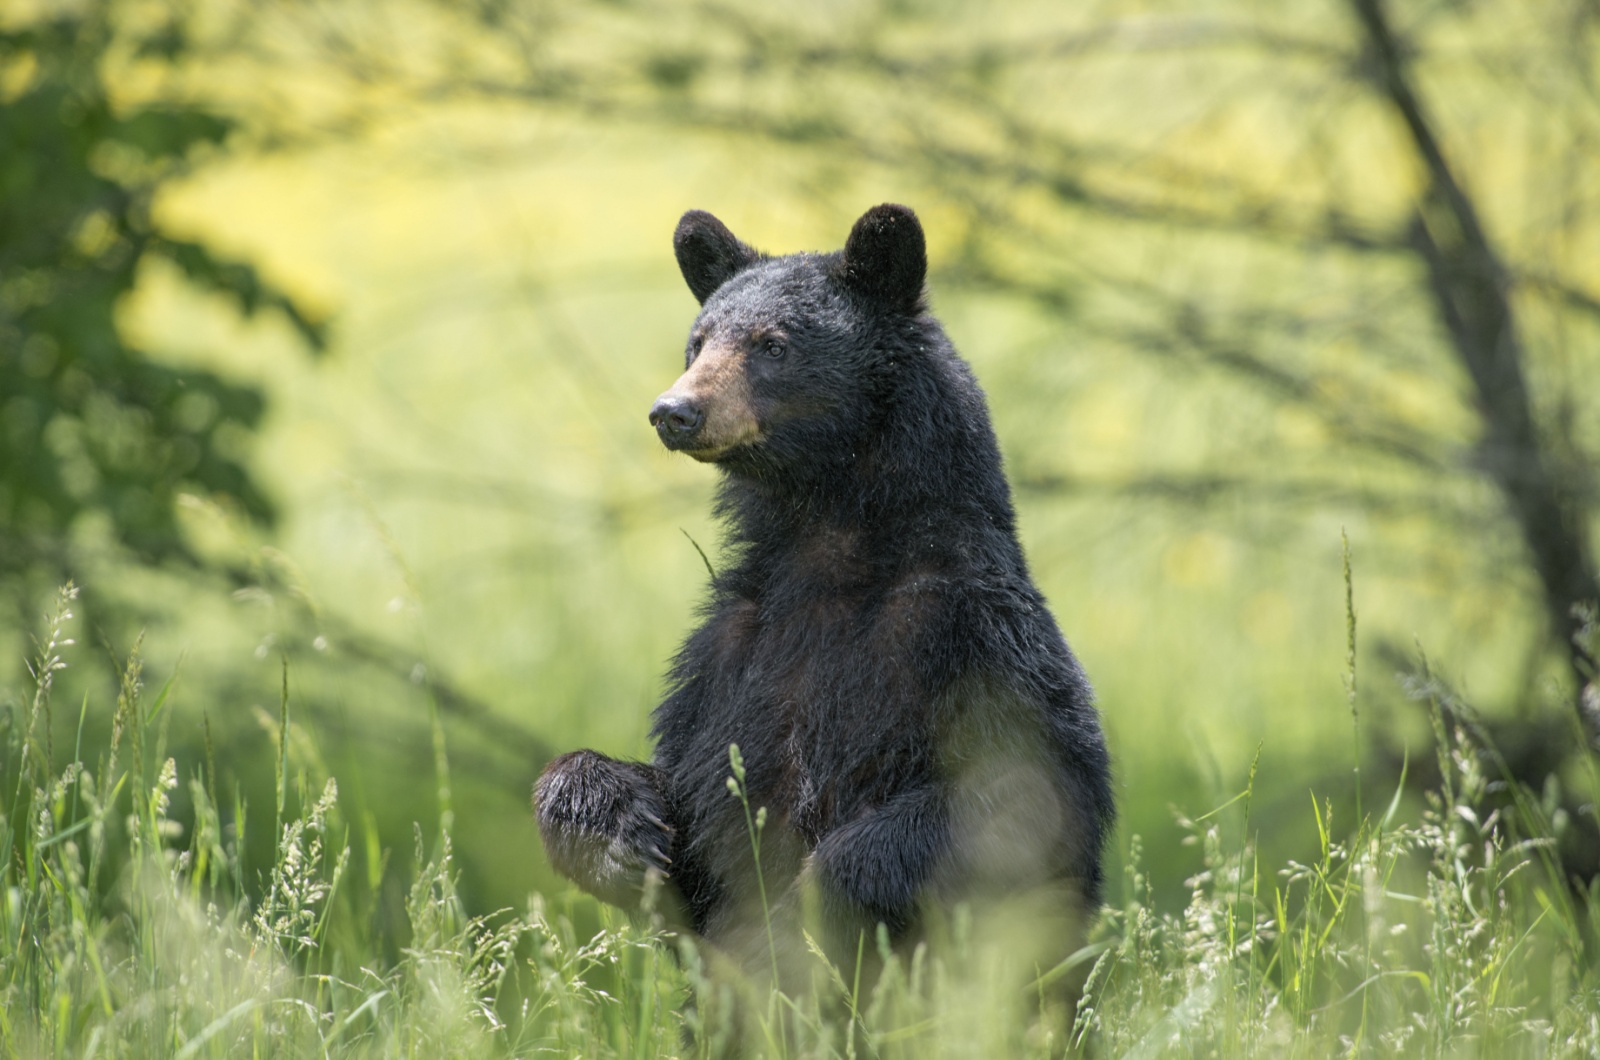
1176 249
89 425
125 931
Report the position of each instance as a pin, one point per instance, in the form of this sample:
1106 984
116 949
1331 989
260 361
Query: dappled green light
1182 249
92 424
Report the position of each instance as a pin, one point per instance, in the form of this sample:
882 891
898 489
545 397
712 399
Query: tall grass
1441 929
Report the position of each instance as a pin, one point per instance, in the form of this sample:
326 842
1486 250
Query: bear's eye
772 346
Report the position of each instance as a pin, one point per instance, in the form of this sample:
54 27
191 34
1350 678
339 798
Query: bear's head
791 358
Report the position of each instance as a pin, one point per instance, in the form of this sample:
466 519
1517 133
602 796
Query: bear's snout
709 411
676 419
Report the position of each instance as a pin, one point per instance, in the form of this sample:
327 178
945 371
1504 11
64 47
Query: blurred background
328 329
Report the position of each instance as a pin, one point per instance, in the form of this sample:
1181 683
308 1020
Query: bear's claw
603 823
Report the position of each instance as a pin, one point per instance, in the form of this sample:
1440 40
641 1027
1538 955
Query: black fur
907 709
613 823
885 258
708 254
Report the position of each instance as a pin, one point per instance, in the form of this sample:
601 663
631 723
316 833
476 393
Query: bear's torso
835 679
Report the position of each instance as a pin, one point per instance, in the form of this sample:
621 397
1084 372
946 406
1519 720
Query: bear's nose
675 417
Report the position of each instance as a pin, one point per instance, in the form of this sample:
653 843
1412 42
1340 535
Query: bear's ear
885 257
708 254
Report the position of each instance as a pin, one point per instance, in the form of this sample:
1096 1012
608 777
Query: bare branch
1470 290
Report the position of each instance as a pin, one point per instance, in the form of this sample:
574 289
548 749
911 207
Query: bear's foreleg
877 867
605 824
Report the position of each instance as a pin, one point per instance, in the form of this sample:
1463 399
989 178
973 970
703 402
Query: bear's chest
826 690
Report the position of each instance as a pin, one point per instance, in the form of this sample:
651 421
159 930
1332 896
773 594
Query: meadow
1448 931
275 802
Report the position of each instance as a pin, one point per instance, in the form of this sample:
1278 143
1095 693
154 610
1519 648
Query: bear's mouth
715 453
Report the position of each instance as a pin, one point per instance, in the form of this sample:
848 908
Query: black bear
908 713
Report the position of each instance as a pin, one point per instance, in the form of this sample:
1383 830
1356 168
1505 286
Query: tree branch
1470 291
